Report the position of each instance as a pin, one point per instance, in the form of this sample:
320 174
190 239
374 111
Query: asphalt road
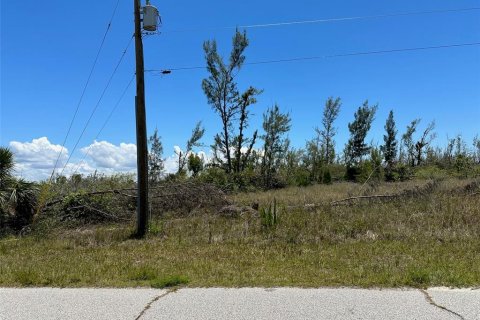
245 303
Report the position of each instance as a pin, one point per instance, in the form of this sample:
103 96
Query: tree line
265 159
236 160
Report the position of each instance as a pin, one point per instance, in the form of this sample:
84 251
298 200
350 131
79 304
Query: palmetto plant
6 163
17 196
6 168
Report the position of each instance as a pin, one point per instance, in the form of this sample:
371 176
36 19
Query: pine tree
356 147
476 149
313 158
195 164
155 160
424 142
275 125
194 141
407 140
230 104
321 149
389 149
330 114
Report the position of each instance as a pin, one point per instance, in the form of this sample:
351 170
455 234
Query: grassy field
427 234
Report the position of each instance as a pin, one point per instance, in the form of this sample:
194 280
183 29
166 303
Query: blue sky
47 49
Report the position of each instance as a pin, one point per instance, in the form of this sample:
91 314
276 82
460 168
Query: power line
87 153
97 104
367 53
85 88
315 21
361 53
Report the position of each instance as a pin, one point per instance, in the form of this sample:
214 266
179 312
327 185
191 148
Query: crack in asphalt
430 300
152 302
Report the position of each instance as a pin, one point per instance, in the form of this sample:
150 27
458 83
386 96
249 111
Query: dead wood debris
180 197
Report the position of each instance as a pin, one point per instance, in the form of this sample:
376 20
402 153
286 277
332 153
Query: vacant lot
424 233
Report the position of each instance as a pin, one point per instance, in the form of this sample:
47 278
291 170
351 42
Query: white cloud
177 149
106 155
38 154
80 167
171 162
206 158
35 159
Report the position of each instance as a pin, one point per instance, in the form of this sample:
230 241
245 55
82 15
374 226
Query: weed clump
269 215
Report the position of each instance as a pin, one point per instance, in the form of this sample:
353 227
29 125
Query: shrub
390 175
464 166
337 172
302 177
430 172
352 172
369 171
402 173
216 176
23 202
327 176
18 198
249 180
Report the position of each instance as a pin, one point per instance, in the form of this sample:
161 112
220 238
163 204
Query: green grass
426 240
168 282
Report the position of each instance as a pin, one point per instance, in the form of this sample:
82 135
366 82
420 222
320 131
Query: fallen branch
377 196
169 196
103 213
305 206
415 192
89 194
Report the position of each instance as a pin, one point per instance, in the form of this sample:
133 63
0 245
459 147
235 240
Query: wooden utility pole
140 114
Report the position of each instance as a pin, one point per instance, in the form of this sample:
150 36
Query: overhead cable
87 153
361 53
85 88
316 21
97 104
